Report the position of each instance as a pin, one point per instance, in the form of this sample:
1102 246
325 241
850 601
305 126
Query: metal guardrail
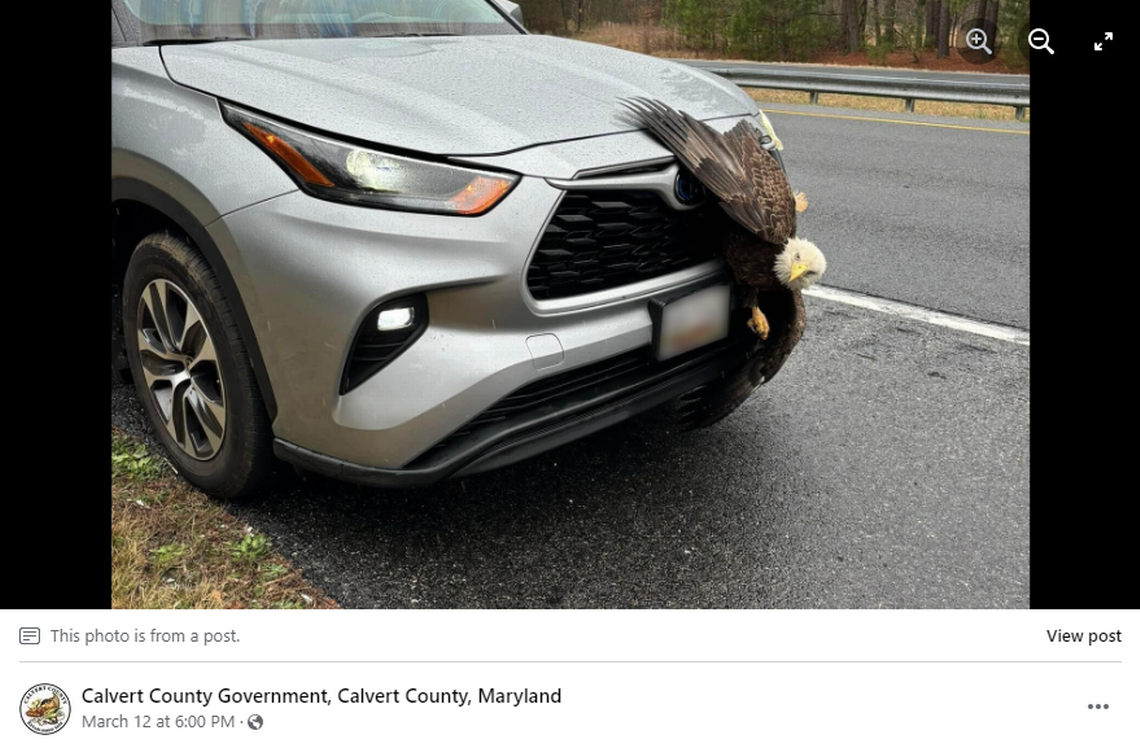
998 93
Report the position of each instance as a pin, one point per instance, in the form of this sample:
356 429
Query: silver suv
396 241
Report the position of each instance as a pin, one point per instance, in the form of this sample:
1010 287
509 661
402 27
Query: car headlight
767 128
340 171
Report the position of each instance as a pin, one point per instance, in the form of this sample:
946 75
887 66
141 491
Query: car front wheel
192 371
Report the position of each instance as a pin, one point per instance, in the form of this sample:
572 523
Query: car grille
602 239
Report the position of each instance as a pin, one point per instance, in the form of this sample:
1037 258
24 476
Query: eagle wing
734 166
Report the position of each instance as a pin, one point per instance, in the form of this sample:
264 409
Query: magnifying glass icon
1039 39
977 40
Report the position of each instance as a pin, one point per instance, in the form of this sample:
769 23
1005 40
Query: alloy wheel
180 367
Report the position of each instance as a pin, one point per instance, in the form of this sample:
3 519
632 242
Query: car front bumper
545 427
310 270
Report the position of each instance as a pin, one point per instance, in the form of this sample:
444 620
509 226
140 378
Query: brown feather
759 218
752 260
735 166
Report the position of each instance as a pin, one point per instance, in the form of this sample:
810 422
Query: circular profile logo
45 709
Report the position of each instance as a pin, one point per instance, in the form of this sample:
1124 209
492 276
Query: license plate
689 322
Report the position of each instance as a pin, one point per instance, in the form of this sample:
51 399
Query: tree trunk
933 11
889 22
920 10
981 10
875 20
851 11
992 13
843 7
944 30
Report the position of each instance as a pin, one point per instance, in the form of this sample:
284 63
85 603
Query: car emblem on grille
688 189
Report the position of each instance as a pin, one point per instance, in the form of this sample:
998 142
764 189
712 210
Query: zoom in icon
978 41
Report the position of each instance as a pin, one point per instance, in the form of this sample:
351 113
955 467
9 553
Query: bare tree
643 14
889 9
905 38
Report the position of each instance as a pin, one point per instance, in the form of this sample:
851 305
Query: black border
1079 529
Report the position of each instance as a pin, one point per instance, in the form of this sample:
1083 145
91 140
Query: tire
192 371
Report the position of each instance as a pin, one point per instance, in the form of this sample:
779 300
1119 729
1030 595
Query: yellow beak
798 270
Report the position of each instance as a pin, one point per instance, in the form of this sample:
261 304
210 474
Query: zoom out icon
1039 40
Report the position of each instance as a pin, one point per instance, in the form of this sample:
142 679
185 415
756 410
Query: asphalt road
928 215
887 465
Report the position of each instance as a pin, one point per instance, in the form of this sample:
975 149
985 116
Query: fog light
385 332
396 319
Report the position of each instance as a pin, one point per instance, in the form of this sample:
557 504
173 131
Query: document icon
29 635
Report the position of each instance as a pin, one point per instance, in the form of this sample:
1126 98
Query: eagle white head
800 264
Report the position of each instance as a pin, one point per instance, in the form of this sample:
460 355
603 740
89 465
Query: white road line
921 314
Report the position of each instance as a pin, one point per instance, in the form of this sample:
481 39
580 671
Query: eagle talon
759 323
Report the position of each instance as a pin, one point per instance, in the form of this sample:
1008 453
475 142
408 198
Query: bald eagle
758 241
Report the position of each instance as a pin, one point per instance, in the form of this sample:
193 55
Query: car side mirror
511 9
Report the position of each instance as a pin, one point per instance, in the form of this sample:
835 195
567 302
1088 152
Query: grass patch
251 550
645 39
173 548
130 459
894 105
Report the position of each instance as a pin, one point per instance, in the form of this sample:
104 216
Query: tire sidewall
171 259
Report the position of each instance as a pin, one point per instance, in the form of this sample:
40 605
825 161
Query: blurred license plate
691 321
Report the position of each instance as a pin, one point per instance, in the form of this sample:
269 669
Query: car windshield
188 21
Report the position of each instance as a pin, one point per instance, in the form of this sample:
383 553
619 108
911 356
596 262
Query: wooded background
789 30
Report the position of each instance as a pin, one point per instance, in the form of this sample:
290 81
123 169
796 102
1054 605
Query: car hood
448 95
